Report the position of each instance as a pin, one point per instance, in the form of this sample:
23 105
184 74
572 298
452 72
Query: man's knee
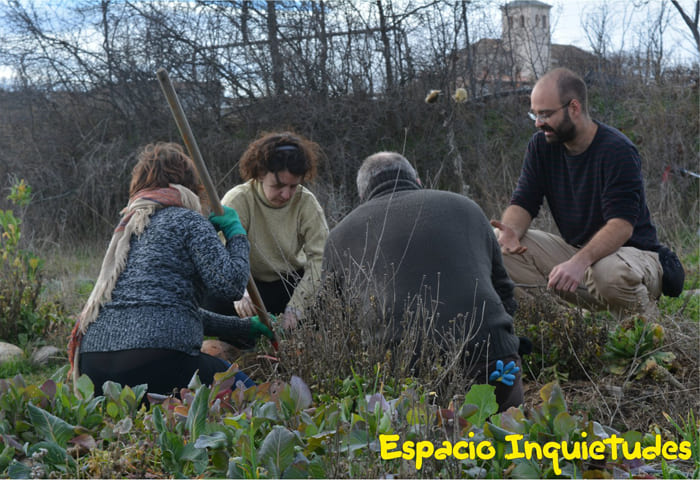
623 290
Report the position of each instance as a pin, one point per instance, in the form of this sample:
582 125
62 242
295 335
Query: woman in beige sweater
285 223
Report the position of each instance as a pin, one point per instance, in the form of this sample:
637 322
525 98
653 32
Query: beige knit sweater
282 239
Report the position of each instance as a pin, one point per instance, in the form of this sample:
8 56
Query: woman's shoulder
306 195
309 206
178 217
238 192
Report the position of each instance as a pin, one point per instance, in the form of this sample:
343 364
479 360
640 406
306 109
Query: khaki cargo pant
628 280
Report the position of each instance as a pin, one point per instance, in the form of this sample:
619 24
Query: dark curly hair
162 163
278 151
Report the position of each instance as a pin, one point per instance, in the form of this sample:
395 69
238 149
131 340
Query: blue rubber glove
257 328
506 374
228 223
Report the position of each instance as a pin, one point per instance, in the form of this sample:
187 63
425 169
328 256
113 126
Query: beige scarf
135 218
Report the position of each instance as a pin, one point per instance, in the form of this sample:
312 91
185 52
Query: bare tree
598 26
690 21
275 57
655 46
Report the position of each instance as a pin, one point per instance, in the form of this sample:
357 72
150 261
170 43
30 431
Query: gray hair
378 163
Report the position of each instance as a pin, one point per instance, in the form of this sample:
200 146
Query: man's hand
567 276
507 238
244 306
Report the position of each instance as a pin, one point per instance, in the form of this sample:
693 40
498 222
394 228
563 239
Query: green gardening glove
257 328
228 223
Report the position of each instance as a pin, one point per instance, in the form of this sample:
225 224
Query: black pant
163 370
275 295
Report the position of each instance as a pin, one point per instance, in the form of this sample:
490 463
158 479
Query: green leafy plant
688 429
20 276
279 430
634 347
14 366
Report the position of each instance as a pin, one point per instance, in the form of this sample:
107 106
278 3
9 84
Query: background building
526 38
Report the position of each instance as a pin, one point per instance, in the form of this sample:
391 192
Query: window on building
522 21
544 21
537 20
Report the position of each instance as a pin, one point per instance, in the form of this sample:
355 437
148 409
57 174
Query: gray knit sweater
155 302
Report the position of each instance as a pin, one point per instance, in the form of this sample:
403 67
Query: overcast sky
567 15
567 19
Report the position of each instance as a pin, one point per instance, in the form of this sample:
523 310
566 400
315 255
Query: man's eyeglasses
542 116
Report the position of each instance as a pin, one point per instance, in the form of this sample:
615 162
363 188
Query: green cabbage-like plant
634 347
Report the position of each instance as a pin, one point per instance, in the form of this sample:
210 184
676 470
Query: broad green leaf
112 409
597 431
18 470
356 440
218 459
496 432
56 456
277 450
318 441
112 390
213 440
127 398
298 469
564 425
416 416
158 421
140 391
300 393
269 411
49 426
237 468
526 469
664 358
483 396
553 400
198 457
385 423
124 426
60 374
195 382
317 468
307 424
86 388
467 410
632 437
6 457
172 447
357 418
513 420
236 422
197 416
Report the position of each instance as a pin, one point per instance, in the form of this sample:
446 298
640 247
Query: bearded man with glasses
608 255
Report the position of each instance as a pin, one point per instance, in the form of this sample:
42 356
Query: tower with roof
526 38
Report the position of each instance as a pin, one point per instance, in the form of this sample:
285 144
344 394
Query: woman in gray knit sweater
142 322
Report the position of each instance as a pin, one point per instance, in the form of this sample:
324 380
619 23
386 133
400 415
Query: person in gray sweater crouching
142 323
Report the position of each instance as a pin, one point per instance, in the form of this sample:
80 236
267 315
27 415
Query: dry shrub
344 335
567 342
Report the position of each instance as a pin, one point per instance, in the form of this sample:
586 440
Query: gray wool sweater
154 304
406 245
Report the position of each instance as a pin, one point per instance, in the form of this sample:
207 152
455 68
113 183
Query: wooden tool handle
191 144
